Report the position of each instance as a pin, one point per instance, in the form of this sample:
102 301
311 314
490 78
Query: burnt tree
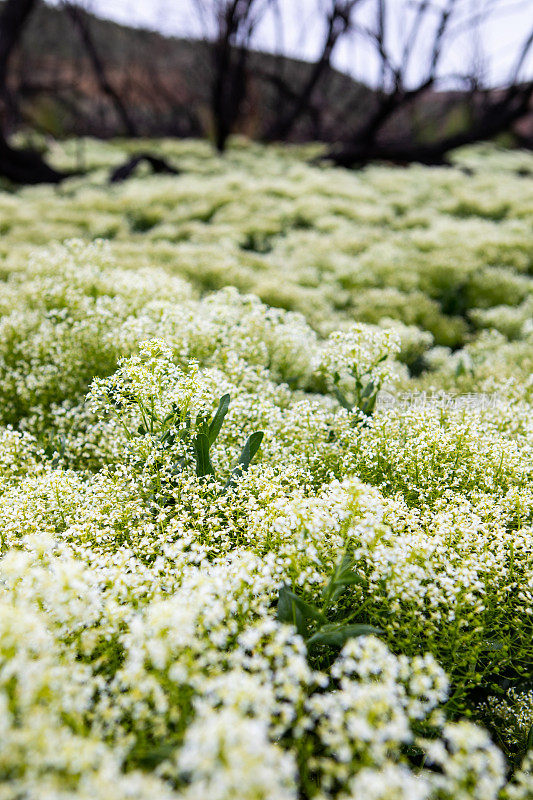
490 111
298 103
230 26
19 166
81 22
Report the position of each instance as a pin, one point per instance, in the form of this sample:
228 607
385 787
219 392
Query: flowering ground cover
266 481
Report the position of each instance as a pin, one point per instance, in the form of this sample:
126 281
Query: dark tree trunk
229 89
19 166
220 91
13 17
229 54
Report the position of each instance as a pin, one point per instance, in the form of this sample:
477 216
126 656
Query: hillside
163 81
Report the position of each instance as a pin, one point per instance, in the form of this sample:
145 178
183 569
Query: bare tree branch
498 117
490 112
80 22
337 24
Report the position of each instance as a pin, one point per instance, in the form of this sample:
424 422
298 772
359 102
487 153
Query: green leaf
371 404
288 611
201 424
174 412
253 443
218 419
342 399
369 389
152 758
201 449
308 611
344 568
292 609
349 580
340 586
168 438
337 635
341 578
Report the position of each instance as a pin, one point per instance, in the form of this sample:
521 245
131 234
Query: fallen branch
158 165
26 166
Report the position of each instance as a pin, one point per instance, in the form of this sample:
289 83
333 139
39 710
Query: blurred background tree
20 166
394 80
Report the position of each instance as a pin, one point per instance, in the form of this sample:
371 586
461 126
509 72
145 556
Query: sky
494 49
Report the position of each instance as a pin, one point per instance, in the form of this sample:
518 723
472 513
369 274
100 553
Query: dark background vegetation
64 72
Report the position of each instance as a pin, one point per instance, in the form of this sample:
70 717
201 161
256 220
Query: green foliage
312 623
365 391
148 528
196 438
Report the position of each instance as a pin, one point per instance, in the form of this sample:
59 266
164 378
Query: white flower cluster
201 693
439 249
514 714
140 653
